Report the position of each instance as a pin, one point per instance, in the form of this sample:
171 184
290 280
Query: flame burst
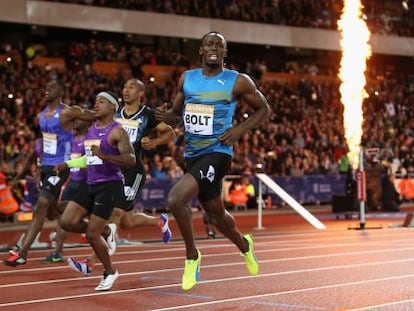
355 52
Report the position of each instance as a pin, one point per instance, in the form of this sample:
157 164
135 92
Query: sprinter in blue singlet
206 101
56 123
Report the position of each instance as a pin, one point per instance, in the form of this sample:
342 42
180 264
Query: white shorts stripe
135 187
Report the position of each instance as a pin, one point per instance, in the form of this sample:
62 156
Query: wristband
77 162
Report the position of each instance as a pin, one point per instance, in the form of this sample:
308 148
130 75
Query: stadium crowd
305 135
383 17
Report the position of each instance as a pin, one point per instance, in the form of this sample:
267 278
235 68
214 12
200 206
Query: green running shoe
249 257
191 273
53 258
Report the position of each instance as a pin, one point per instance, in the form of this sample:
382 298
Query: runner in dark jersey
139 120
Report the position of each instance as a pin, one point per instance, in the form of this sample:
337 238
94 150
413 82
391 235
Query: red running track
301 268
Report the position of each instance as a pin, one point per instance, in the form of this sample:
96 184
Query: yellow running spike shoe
191 273
249 257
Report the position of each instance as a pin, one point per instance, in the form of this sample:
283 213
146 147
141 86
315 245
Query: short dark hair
139 83
212 33
62 84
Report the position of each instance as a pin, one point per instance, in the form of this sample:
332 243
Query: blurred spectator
158 171
238 195
407 188
305 134
174 171
391 199
8 204
250 191
384 17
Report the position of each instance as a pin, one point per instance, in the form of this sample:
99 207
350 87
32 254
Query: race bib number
198 119
49 143
131 127
90 158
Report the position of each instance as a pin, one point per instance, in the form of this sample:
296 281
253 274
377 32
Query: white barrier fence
263 178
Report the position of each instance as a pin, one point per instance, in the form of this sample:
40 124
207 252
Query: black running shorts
99 199
51 183
134 181
209 170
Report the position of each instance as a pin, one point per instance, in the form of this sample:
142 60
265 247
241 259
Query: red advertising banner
361 186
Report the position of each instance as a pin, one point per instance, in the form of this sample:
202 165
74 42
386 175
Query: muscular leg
185 189
73 218
60 238
128 220
60 233
117 215
96 226
224 222
116 219
36 225
133 219
52 211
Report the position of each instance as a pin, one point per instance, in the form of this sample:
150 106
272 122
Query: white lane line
319 269
396 248
320 245
237 299
394 303
286 305
320 236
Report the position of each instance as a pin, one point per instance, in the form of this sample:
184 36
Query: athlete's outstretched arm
165 134
172 116
71 113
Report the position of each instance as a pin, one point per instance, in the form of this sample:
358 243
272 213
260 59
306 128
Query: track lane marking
112 292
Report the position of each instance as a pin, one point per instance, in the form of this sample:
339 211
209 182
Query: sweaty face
103 107
213 50
132 91
53 91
